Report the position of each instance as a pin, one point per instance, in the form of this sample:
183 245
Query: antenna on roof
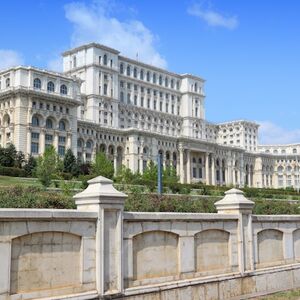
137 56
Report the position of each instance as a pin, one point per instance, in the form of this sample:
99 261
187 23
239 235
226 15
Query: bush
33 197
11 171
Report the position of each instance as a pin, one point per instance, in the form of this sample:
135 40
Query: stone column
101 197
235 203
207 179
42 141
181 162
115 164
28 141
56 133
213 171
188 167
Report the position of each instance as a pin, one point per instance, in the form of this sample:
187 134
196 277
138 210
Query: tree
8 156
30 166
19 159
150 173
169 176
102 166
47 166
70 163
125 175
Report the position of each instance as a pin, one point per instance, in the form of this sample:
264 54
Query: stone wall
100 251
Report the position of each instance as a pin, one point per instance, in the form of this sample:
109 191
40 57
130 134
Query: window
105 59
74 62
61 150
166 82
49 124
89 144
50 86
37 83
35 148
121 68
7 82
35 121
148 76
35 135
154 78
49 138
62 139
105 89
62 126
128 71
135 73
63 89
172 83
142 75
135 100
160 80
122 97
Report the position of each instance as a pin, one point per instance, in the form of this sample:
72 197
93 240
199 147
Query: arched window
195 87
105 59
135 73
7 82
166 82
35 121
37 83
89 144
128 71
142 75
49 124
148 76
50 86
63 89
294 150
62 125
121 68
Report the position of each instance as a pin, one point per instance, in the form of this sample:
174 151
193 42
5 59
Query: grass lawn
6 181
290 295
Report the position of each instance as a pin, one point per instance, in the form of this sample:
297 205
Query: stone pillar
236 203
181 162
188 167
56 140
115 164
213 171
42 142
28 141
101 197
207 179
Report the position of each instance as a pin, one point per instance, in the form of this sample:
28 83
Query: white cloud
212 18
10 58
270 133
95 23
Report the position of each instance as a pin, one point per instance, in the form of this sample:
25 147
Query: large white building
134 112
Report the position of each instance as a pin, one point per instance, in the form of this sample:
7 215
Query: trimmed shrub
11 171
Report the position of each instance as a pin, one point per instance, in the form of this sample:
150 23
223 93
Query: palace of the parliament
134 112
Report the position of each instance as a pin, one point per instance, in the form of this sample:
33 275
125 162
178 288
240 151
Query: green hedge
10 171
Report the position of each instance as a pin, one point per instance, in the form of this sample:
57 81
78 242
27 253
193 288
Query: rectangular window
194 173
35 148
61 150
35 135
49 138
62 139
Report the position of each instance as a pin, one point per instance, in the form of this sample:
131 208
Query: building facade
134 112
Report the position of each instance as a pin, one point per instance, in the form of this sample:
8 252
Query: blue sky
248 51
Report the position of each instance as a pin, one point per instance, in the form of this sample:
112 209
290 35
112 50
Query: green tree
125 175
169 175
102 166
30 166
19 160
70 163
47 166
150 173
8 156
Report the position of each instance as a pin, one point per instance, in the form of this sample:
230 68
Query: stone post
102 197
236 203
